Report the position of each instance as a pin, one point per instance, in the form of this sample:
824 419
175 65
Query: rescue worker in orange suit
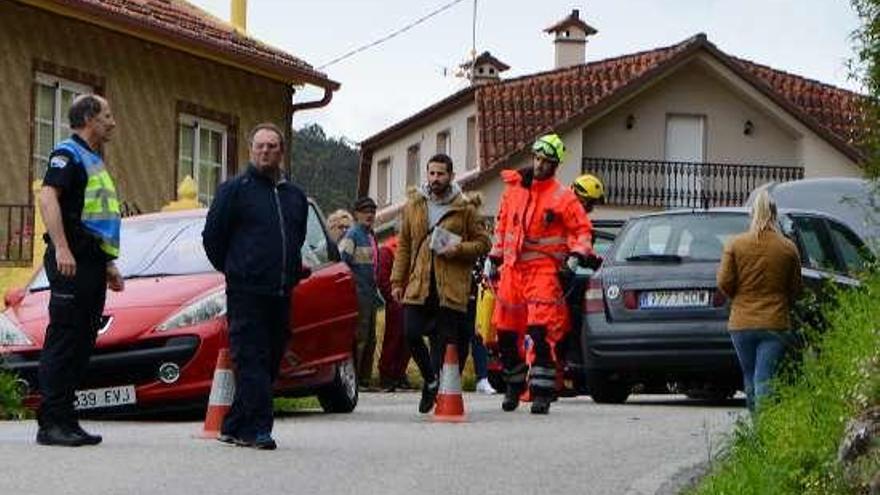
541 229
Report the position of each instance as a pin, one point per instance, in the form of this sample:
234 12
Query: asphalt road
386 447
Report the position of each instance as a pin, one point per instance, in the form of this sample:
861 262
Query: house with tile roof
185 88
686 125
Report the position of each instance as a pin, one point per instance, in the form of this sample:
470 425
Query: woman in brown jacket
761 272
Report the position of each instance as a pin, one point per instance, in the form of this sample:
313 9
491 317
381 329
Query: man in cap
359 250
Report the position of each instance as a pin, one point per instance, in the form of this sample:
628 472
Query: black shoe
388 386
227 439
88 438
511 398
60 436
263 442
429 396
541 405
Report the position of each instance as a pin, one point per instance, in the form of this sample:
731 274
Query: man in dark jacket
253 234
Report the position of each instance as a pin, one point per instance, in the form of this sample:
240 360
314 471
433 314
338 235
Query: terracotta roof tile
836 109
184 20
513 112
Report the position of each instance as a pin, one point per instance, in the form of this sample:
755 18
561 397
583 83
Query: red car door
324 307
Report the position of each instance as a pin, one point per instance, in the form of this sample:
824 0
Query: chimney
239 15
570 40
487 69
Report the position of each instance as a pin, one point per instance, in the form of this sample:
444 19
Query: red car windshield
156 248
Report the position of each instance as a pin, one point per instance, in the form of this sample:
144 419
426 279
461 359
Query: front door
685 149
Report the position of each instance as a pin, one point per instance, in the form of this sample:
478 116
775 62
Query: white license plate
105 397
674 299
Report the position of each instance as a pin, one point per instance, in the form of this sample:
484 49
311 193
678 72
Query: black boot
541 404
511 397
429 396
87 438
60 436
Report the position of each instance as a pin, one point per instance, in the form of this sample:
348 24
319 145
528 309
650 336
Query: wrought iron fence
16 234
682 184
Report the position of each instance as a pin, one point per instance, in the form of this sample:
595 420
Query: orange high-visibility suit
539 224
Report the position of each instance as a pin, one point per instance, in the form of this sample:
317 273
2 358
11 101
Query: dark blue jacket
254 233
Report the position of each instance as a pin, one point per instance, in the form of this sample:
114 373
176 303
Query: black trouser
442 325
75 308
259 331
541 373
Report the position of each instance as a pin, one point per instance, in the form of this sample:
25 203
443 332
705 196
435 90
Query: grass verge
791 445
10 398
295 404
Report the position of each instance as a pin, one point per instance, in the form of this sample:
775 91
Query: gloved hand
573 261
593 261
490 269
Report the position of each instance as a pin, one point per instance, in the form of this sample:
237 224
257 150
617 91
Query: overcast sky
401 76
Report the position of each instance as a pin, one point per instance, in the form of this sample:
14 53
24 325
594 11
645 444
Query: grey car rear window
698 236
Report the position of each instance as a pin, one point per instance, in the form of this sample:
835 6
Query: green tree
865 67
326 168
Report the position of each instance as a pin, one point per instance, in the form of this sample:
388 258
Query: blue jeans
759 353
481 357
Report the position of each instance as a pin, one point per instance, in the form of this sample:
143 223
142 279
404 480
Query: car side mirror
13 296
304 272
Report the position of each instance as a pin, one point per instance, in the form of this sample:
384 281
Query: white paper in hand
442 239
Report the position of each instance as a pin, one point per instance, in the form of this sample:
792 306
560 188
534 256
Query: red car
160 338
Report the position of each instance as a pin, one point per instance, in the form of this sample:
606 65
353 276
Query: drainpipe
328 95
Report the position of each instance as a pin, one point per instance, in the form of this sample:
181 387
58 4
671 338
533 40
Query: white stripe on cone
222 389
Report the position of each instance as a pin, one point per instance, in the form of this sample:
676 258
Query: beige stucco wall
701 88
692 91
143 83
426 137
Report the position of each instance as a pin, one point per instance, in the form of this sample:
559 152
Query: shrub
791 445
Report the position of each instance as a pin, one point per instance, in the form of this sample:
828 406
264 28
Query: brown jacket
762 275
414 259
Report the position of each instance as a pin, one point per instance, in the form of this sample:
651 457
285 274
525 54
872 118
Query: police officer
253 234
80 208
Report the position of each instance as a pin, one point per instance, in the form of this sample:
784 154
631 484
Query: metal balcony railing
682 184
16 234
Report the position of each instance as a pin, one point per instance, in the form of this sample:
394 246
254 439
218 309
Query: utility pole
473 43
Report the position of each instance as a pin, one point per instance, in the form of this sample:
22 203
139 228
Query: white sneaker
485 388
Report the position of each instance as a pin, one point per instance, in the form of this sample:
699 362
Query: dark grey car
654 315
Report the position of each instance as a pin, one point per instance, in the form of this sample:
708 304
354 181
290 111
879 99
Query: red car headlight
205 309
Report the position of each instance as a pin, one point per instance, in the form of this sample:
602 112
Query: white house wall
426 138
692 91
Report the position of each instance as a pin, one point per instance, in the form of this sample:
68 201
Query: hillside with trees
326 168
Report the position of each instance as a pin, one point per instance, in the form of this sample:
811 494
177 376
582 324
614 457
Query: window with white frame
202 154
53 97
383 182
413 169
470 161
443 142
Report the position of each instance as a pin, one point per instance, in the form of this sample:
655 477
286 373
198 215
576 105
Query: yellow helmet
551 147
588 187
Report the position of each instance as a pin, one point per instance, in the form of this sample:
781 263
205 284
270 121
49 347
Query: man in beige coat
440 238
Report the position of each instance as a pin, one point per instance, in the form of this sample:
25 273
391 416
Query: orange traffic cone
220 400
450 404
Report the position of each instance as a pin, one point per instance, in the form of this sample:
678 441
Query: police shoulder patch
59 161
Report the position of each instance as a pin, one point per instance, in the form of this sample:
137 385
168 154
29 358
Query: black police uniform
76 303
253 234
